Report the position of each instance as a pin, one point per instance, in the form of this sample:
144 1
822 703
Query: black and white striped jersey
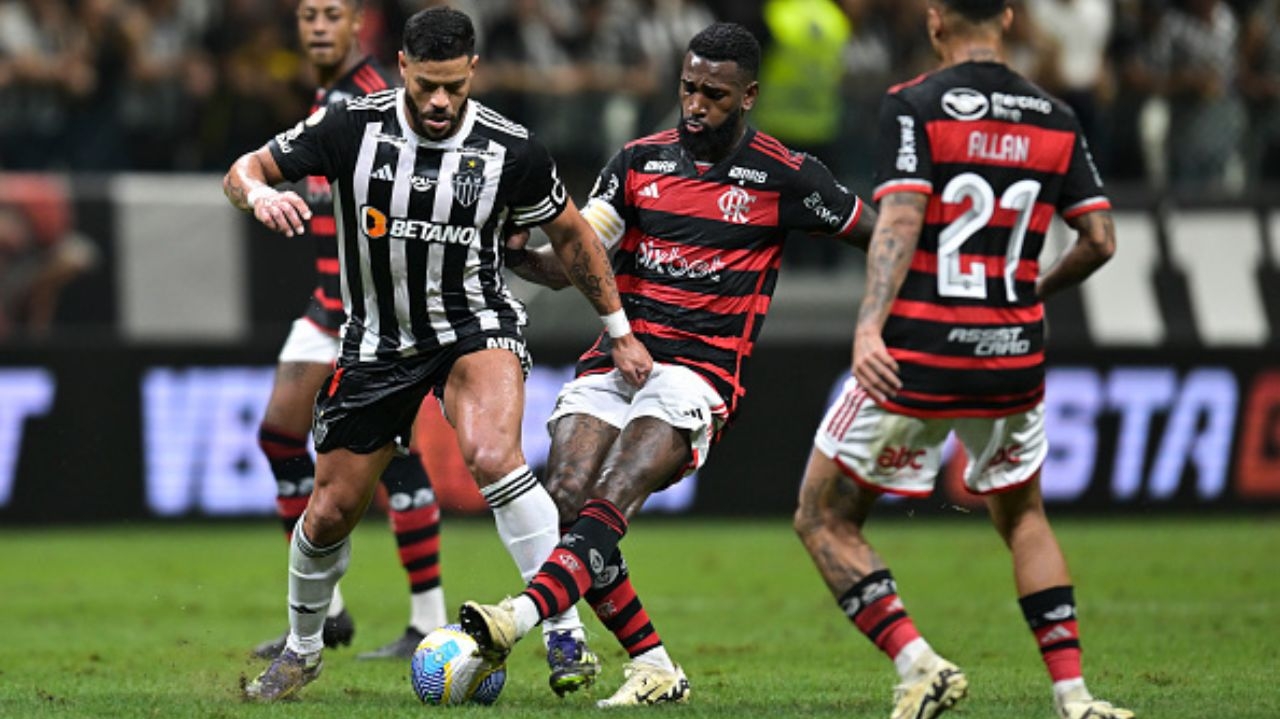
420 222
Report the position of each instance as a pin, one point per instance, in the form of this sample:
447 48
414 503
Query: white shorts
674 394
309 343
899 454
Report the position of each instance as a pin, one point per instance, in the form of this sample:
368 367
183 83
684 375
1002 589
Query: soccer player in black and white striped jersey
426 183
329 34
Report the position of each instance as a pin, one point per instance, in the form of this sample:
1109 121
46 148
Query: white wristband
258 193
616 324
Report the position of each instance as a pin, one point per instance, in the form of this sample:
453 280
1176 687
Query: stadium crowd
1183 94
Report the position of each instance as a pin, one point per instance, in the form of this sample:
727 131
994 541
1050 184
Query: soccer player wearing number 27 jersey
974 161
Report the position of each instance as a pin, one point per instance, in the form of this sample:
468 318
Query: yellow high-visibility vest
801 69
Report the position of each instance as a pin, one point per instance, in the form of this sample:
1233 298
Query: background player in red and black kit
696 218
328 31
974 161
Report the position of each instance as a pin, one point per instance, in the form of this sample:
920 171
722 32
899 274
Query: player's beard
420 125
713 143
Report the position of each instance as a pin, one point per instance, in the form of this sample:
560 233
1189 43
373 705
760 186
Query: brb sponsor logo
377 225
663 166
749 174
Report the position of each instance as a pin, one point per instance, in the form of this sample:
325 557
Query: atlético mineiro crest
468 181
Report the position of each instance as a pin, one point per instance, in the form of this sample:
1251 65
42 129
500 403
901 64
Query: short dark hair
976 10
439 33
728 42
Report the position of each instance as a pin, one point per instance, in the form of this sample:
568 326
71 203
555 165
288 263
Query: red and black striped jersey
696 248
997 157
325 306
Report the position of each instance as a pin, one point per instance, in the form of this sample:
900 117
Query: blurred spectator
1133 156
1077 31
801 73
1260 85
170 80
1195 53
46 67
39 253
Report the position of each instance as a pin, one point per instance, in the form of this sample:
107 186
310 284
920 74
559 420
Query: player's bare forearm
541 266
1094 245
897 230
247 185
251 171
584 260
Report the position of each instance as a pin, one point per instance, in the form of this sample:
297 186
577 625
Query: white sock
908 655
657 657
1071 690
426 610
529 526
526 614
336 605
313 574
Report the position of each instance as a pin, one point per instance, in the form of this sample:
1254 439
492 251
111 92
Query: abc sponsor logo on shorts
895 458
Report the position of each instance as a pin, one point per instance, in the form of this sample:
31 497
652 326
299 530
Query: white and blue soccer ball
447 668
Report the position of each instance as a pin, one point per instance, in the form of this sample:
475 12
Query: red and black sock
616 604
294 470
874 607
1051 615
567 573
415 520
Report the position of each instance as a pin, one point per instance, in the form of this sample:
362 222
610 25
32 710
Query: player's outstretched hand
874 368
284 212
632 360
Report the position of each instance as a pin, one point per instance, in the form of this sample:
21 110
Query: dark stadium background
141 399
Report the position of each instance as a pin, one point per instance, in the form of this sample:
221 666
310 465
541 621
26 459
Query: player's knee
490 464
568 489
329 519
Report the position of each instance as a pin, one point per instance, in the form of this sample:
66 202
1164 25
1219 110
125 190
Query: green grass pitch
1180 619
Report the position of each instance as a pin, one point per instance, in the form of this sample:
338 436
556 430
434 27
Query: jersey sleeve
606 208
817 203
1082 187
902 153
539 196
314 146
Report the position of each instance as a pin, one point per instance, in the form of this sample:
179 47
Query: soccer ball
447 668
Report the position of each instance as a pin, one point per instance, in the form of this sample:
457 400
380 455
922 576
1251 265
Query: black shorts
365 405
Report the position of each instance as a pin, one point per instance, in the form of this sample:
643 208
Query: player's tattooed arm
893 242
587 265
248 186
538 265
1094 245
892 245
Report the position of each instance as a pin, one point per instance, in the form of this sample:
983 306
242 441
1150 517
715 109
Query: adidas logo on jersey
650 190
384 173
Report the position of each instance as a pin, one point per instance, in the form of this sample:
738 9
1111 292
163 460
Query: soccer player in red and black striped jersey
696 218
974 161
328 31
